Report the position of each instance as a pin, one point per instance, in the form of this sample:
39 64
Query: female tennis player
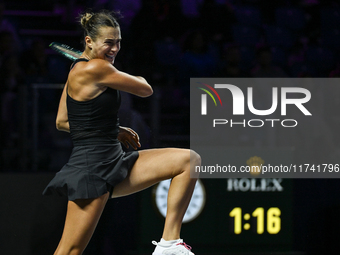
98 169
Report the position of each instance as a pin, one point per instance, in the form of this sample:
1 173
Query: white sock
168 243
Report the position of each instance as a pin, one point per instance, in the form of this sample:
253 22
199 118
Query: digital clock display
272 224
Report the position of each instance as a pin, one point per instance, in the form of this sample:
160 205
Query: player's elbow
62 125
58 125
147 91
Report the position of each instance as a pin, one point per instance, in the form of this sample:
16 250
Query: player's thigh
81 220
152 166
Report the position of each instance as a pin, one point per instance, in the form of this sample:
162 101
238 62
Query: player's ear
88 41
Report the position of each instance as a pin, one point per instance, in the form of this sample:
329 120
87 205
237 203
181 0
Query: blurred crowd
169 41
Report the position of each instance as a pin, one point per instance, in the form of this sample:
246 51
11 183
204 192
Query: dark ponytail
92 22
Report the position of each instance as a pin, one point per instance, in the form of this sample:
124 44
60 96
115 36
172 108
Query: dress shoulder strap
78 60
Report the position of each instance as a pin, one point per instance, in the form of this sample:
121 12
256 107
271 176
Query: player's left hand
128 137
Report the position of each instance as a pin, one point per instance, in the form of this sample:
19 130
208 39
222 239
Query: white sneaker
178 248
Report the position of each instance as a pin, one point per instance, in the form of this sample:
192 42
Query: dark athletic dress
97 162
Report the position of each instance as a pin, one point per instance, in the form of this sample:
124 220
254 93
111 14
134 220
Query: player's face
107 44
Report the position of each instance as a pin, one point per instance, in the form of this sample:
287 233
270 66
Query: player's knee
195 161
75 250
195 158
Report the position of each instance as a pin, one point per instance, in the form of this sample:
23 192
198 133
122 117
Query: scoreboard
239 215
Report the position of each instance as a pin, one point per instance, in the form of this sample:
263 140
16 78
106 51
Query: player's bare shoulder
79 74
99 66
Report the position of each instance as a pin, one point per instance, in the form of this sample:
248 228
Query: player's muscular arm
107 75
62 117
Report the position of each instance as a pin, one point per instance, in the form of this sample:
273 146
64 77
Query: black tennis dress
97 162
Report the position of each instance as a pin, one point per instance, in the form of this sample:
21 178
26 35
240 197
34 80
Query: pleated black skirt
92 171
